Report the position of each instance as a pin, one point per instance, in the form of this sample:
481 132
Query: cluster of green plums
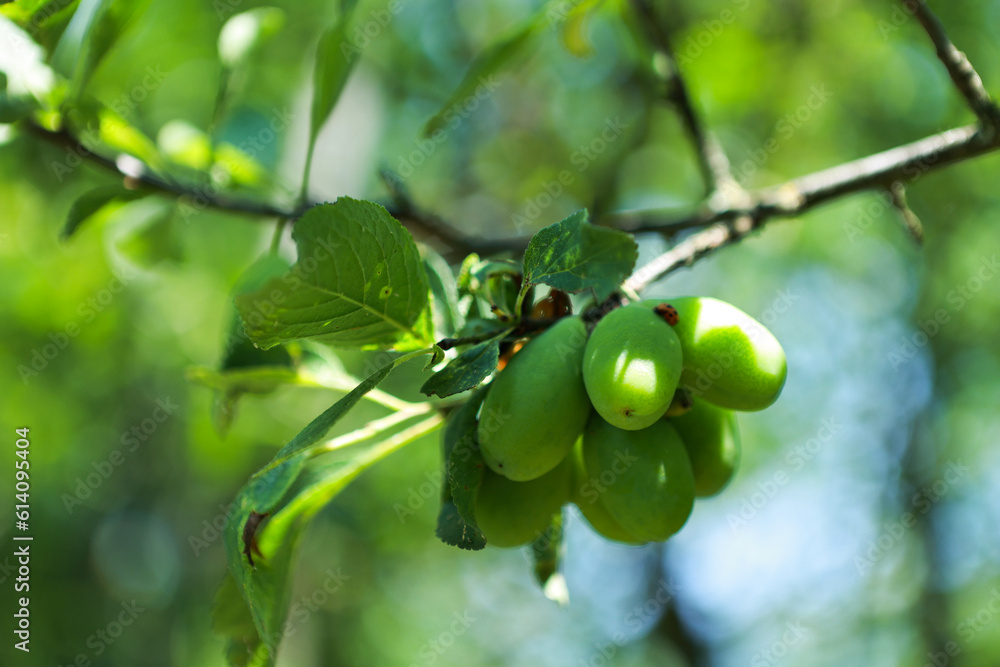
630 422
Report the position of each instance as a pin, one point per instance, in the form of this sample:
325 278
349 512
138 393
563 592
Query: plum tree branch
961 71
728 214
726 226
424 225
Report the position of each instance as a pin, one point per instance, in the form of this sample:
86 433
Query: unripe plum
537 406
585 495
646 477
730 359
711 437
514 513
631 367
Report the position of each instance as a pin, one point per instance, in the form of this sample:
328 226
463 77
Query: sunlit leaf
108 23
358 282
573 255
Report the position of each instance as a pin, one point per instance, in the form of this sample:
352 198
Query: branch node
912 224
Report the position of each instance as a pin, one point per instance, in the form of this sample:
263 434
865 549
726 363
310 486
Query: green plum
631 367
711 437
537 406
514 513
644 478
730 359
585 495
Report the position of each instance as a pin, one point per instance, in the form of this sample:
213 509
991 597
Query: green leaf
335 59
573 255
44 19
466 371
231 384
240 352
231 618
251 380
453 531
358 282
499 54
99 126
107 24
447 315
264 584
437 356
90 203
245 368
464 470
464 467
481 327
464 279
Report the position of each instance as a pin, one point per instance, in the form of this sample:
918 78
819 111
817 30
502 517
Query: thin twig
961 71
725 220
712 159
724 227
525 326
912 224
425 226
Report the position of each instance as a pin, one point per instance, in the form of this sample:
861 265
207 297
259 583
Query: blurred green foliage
107 323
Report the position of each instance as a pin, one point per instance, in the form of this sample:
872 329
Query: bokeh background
803 560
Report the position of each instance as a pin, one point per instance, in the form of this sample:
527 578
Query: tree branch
729 213
427 227
882 170
961 71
